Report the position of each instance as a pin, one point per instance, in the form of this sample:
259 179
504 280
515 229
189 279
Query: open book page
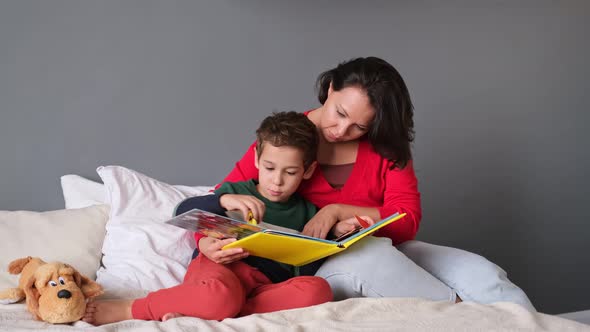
355 236
277 228
237 215
213 225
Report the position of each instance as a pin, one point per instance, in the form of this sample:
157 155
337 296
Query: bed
114 234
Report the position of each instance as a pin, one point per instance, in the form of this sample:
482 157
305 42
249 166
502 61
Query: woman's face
347 115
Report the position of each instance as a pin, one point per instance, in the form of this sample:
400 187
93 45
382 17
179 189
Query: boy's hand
243 203
211 248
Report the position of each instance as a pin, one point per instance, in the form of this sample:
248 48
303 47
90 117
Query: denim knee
472 276
374 268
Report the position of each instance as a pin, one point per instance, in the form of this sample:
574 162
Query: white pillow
70 236
140 252
80 192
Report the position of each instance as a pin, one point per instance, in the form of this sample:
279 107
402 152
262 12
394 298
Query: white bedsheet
367 314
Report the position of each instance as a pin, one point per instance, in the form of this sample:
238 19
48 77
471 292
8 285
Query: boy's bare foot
105 312
171 315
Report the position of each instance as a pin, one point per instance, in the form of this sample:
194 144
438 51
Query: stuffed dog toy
55 292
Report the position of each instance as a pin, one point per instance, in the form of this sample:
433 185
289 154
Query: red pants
216 291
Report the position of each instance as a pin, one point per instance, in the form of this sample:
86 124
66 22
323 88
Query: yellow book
270 241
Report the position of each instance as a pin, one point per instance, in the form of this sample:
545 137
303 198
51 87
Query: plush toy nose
64 294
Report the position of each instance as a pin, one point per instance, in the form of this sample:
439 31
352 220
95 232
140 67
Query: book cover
270 241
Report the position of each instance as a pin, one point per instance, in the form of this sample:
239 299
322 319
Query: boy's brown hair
289 129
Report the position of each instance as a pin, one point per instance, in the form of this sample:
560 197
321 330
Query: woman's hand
243 203
322 222
349 224
211 248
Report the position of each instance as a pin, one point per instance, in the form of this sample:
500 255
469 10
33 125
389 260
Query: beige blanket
382 314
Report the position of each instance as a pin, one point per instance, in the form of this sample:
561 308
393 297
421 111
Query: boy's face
280 171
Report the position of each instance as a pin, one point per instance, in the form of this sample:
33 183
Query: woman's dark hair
392 130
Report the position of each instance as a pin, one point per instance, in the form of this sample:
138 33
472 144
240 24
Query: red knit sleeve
244 169
401 195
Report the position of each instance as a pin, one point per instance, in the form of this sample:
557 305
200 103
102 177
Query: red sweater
371 184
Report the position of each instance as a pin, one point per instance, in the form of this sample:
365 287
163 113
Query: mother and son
313 172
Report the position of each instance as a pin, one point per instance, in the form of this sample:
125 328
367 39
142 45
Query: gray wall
175 89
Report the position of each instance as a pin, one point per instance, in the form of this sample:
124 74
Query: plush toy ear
32 294
88 286
17 266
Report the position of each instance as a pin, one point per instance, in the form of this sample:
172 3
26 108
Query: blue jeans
374 268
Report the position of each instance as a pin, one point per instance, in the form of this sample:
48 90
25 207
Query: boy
227 283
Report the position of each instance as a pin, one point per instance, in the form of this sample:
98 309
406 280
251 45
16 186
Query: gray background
175 89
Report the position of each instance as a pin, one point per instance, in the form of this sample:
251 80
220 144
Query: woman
366 127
